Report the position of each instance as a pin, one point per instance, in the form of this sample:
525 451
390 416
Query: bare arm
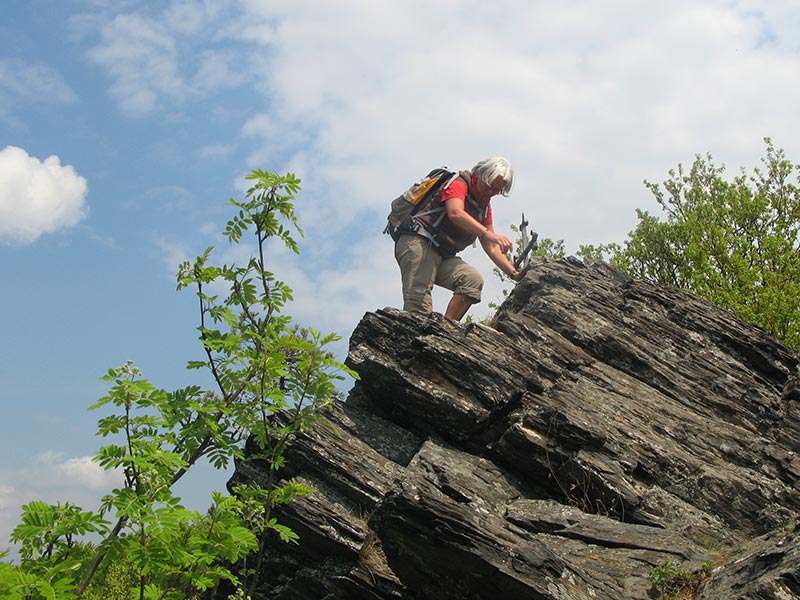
496 246
463 220
499 258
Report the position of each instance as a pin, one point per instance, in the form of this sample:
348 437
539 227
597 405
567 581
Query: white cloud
333 290
174 254
193 16
142 58
33 82
159 60
37 197
6 491
218 70
23 83
10 505
80 472
215 152
586 99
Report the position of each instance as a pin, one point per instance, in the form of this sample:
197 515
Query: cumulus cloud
37 197
81 472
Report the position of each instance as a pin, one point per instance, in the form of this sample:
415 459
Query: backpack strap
425 224
439 206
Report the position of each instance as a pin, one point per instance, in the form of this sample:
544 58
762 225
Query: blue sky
125 126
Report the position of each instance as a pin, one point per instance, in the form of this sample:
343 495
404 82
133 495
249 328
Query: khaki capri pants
422 267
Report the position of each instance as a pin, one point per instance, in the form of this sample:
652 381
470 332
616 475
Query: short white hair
490 169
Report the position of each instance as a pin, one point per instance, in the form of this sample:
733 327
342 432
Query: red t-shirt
458 189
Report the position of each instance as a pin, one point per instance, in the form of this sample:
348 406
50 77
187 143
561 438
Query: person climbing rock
457 214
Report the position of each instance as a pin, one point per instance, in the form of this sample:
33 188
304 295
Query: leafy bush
734 242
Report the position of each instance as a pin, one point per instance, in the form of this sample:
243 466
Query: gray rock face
600 427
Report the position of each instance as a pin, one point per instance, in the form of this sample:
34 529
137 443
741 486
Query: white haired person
426 251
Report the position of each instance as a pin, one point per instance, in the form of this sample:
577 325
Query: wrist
483 233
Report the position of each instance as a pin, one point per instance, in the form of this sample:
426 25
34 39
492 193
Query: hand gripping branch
529 243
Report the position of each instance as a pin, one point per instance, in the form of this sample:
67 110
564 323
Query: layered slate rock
597 428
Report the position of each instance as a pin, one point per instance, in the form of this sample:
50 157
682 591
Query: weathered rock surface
600 427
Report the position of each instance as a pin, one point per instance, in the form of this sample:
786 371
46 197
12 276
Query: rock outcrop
599 428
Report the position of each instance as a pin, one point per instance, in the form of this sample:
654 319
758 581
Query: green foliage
116 583
675 583
51 553
734 242
590 253
33 581
271 379
49 532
